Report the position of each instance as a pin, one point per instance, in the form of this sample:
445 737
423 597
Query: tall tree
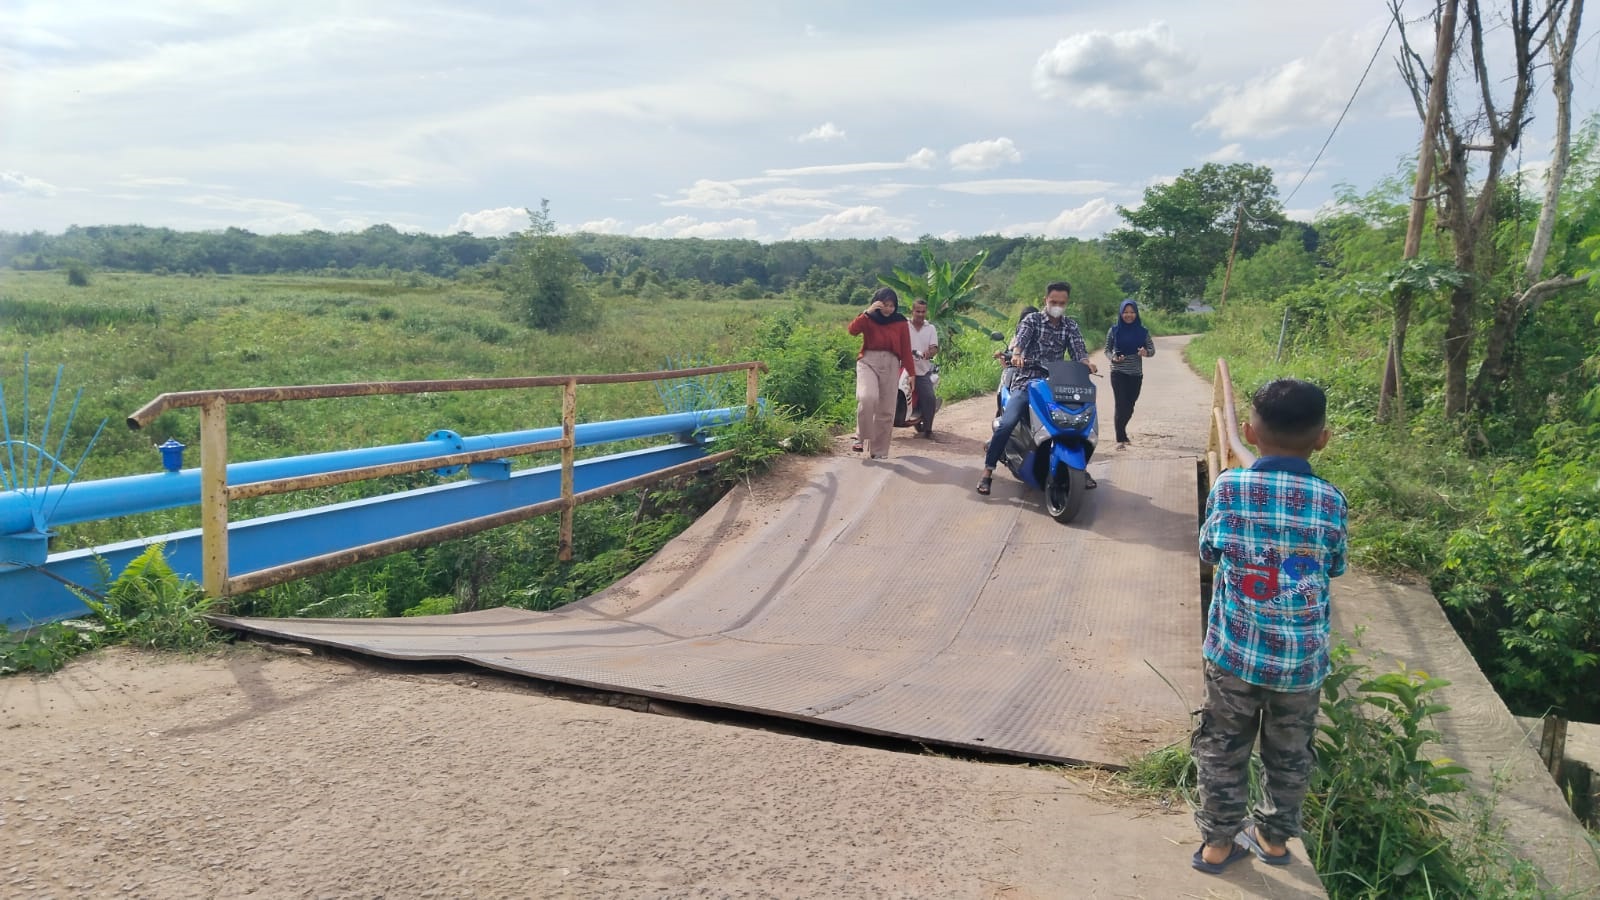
1485 128
1182 231
1509 312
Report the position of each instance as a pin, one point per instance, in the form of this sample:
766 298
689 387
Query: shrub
149 606
544 281
1523 577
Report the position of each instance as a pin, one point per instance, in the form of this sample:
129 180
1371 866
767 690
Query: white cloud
1027 186
1305 92
18 183
393 181
1228 154
492 222
1089 220
922 159
708 194
885 190
1107 71
732 228
689 226
985 154
827 131
607 225
857 221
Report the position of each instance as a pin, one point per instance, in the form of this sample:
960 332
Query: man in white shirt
924 346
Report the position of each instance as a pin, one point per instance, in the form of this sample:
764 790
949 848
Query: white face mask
1055 312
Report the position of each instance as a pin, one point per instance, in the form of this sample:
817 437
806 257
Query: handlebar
1005 361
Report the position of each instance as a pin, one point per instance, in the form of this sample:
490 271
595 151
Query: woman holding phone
885 350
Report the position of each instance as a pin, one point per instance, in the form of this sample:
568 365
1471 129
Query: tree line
382 249
1164 254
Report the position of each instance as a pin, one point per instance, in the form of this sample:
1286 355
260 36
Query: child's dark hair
1294 412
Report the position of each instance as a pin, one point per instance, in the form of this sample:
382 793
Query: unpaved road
278 775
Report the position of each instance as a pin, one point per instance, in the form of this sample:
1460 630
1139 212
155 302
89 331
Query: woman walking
885 350
1127 344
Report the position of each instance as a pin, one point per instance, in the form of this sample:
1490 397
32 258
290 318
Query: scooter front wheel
1063 492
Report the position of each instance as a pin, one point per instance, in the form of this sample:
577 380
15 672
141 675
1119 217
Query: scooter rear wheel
1063 493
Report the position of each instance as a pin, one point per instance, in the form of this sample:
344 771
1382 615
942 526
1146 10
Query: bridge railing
1225 448
215 492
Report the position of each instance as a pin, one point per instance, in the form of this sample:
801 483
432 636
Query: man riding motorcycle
1041 337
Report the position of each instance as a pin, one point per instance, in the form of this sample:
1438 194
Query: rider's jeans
1016 405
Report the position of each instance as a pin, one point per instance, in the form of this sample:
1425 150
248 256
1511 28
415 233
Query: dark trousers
927 403
1016 405
1235 714
1126 389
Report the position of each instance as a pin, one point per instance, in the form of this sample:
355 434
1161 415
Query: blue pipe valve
171 455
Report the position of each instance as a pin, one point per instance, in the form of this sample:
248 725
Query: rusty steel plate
885 597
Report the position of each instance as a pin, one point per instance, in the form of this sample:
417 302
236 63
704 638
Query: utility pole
1227 276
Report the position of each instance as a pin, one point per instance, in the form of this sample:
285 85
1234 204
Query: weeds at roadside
148 606
1382 819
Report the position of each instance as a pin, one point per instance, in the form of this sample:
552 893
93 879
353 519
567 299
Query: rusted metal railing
215 493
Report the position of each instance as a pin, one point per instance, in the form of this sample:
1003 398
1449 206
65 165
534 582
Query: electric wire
1379 49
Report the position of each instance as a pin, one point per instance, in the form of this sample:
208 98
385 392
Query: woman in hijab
885 350
1127 344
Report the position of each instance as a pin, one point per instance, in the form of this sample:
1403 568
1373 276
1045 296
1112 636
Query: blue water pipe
113 497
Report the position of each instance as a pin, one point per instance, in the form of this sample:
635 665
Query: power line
1379 49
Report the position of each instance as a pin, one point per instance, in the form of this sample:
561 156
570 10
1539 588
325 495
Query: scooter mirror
996 336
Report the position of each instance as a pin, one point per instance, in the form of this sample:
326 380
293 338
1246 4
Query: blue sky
713 119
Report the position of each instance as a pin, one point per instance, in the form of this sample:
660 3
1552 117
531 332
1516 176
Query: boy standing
1276 534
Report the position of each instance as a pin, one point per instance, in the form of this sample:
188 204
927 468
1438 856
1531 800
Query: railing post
750 394
214 495
569 426
1216 440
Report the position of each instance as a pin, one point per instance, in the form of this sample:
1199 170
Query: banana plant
951 291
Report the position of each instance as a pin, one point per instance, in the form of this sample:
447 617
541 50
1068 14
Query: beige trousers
877 379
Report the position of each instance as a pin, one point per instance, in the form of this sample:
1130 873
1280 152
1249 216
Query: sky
694 118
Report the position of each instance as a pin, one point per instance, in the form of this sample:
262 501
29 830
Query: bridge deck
886 597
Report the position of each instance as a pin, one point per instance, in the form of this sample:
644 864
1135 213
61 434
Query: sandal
1236 852
856 447
1251 840
984 484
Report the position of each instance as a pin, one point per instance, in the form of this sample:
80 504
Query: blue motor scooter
1052 444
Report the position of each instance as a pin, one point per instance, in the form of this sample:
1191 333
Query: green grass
127 338
124 339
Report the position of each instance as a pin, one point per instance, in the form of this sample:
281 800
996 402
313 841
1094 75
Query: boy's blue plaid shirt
1276 534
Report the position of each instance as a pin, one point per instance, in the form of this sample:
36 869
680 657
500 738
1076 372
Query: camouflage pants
1235 713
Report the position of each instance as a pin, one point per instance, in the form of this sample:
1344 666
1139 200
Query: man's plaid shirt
1041 339
1276 534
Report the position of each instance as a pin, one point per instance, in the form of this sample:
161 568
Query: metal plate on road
887 598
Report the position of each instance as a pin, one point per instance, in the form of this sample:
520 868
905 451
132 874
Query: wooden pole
214 496
569 426
1227 276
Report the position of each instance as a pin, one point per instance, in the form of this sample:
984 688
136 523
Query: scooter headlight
1064 419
